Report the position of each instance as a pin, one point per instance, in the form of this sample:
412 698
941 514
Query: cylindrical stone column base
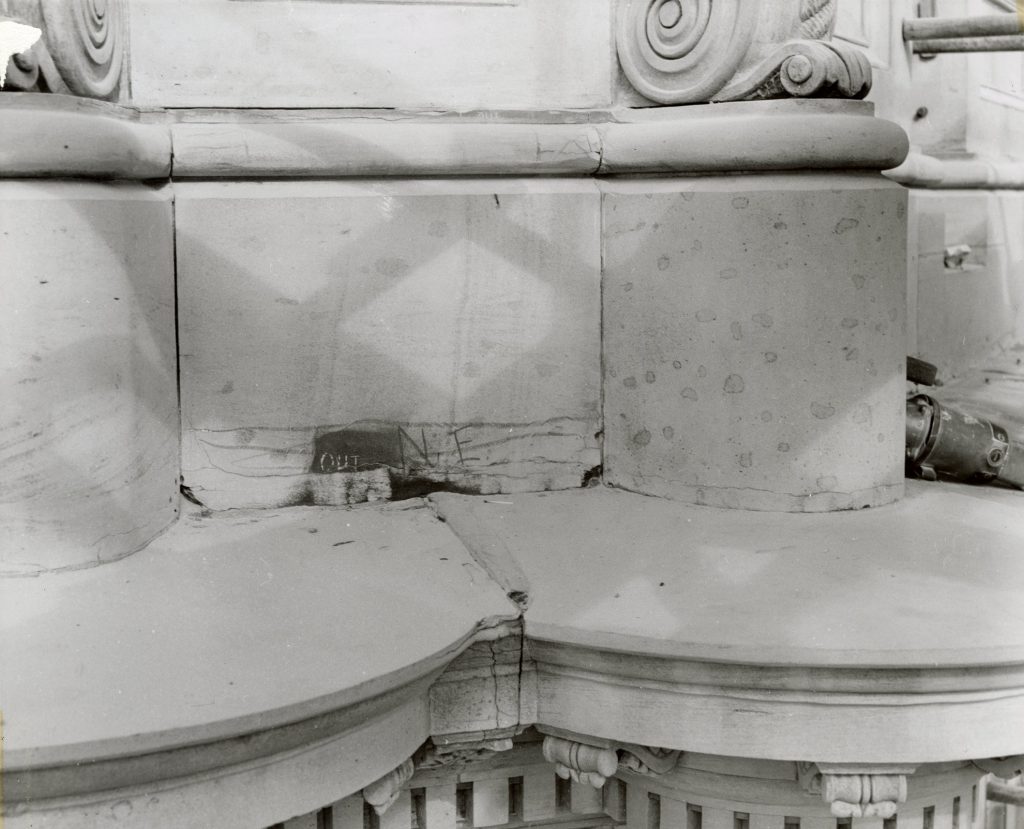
89 417
754 339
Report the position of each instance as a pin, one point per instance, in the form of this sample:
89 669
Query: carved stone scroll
579 762
590 764
874 792
644 760
80 53
381 793
692 51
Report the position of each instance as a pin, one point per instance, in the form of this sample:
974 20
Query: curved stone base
754 338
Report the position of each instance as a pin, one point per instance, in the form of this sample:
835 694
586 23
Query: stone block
754 340
347 341
412 54
88 398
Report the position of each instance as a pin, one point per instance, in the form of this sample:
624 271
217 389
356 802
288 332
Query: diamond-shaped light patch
458 319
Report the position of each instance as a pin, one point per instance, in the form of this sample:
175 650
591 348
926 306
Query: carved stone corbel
854 792
593 765
693 51
580 762
380 794
81 51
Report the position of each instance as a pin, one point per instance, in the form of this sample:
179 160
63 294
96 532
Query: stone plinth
89 417
754 338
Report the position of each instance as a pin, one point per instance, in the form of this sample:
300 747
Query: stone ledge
56 135
233 640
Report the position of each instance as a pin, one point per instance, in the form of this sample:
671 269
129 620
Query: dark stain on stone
851 353
689 393
849 322
747 460
668 432
592 477
770 356
783 447
227 388
780 226
642 438
391 266
649 377
733 384
844 225
676 364
663 263
822 411
740 202
629 382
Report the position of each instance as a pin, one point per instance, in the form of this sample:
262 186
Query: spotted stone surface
754 339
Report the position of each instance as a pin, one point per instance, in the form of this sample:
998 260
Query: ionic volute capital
693 51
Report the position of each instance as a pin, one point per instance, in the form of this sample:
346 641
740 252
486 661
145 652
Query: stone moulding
81 51
77 137
55 136
694 51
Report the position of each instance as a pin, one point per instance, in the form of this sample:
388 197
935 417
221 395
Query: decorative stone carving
692 51
448 756
383 792
592 765
579 762
644 760
874 793
80 53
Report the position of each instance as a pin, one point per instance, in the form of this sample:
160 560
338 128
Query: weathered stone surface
88 408
448 331
754 340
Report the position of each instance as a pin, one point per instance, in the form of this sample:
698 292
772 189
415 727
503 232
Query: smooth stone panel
425 54
353 341
88 395
754 340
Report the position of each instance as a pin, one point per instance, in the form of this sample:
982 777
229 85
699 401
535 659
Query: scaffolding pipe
1007 43
926 28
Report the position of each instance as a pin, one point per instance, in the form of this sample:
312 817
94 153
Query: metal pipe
1008 43
924 28
1004 793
